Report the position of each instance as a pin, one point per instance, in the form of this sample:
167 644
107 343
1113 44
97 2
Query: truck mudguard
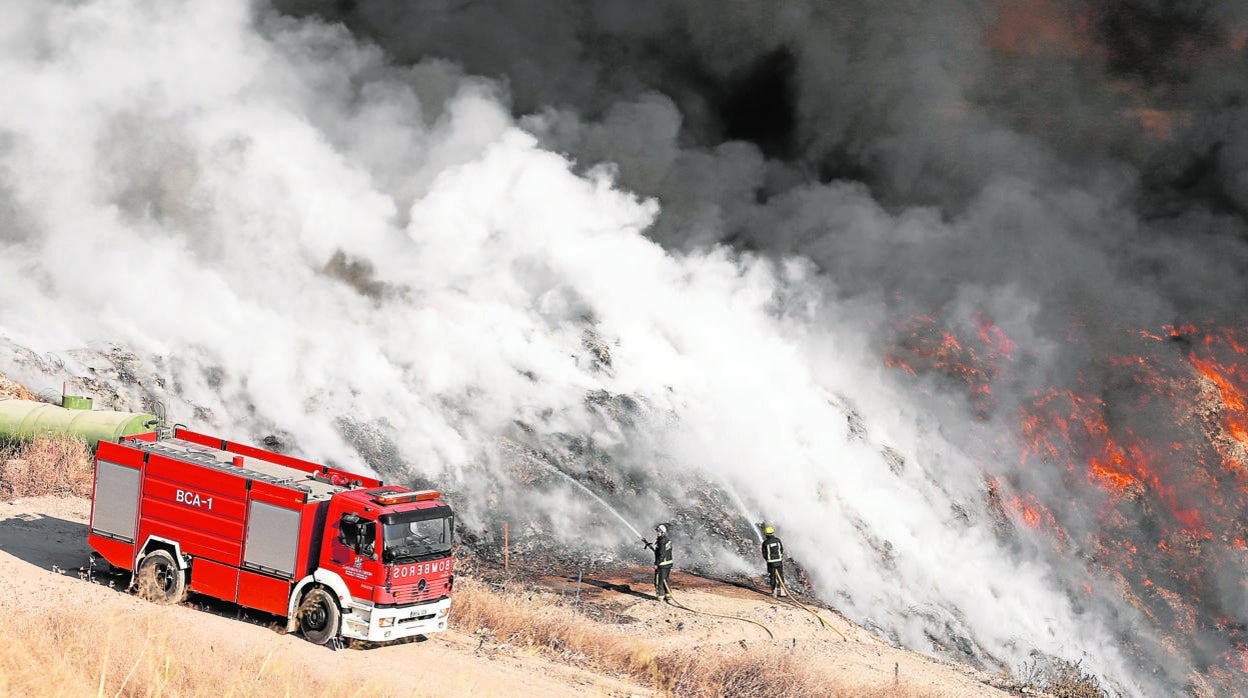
162 543
324 577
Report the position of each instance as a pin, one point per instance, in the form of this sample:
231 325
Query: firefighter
662 548
773 555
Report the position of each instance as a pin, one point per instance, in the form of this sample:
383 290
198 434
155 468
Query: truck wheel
159 580
319 616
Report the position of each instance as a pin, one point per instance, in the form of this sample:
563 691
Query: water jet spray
583 488
745 513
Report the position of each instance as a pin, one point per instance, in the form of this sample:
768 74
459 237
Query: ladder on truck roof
316 488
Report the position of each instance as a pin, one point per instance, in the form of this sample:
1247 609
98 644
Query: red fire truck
336 553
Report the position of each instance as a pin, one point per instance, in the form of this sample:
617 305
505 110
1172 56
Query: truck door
354 551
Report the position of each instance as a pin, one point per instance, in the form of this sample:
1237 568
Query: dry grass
512 619
31 468
738 672
1061 678
86 651
553 630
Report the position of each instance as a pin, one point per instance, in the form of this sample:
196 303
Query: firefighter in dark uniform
662 548
773 554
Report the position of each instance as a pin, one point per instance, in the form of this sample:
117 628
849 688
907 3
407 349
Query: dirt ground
43 549
714 612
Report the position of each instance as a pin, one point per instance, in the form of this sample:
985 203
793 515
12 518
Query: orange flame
1043 26
1161 437
974 364
1229 381
1159 124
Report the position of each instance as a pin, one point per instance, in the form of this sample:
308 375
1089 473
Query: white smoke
290 229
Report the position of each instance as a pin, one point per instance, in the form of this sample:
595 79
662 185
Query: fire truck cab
337 553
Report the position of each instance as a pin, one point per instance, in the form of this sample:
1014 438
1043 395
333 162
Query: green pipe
29 419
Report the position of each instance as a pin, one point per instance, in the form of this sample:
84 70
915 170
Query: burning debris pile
1140 471
9 389
930 349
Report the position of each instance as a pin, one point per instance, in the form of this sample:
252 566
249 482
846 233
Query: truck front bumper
383 624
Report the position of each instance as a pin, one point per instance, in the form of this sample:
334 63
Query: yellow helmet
768 530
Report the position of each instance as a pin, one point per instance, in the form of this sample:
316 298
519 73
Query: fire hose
792 599
672 597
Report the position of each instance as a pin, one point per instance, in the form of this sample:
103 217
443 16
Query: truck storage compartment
115 501
272 539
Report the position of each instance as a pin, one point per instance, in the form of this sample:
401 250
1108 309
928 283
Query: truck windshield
408 538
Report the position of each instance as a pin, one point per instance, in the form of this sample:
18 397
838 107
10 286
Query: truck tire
319 616
159 580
